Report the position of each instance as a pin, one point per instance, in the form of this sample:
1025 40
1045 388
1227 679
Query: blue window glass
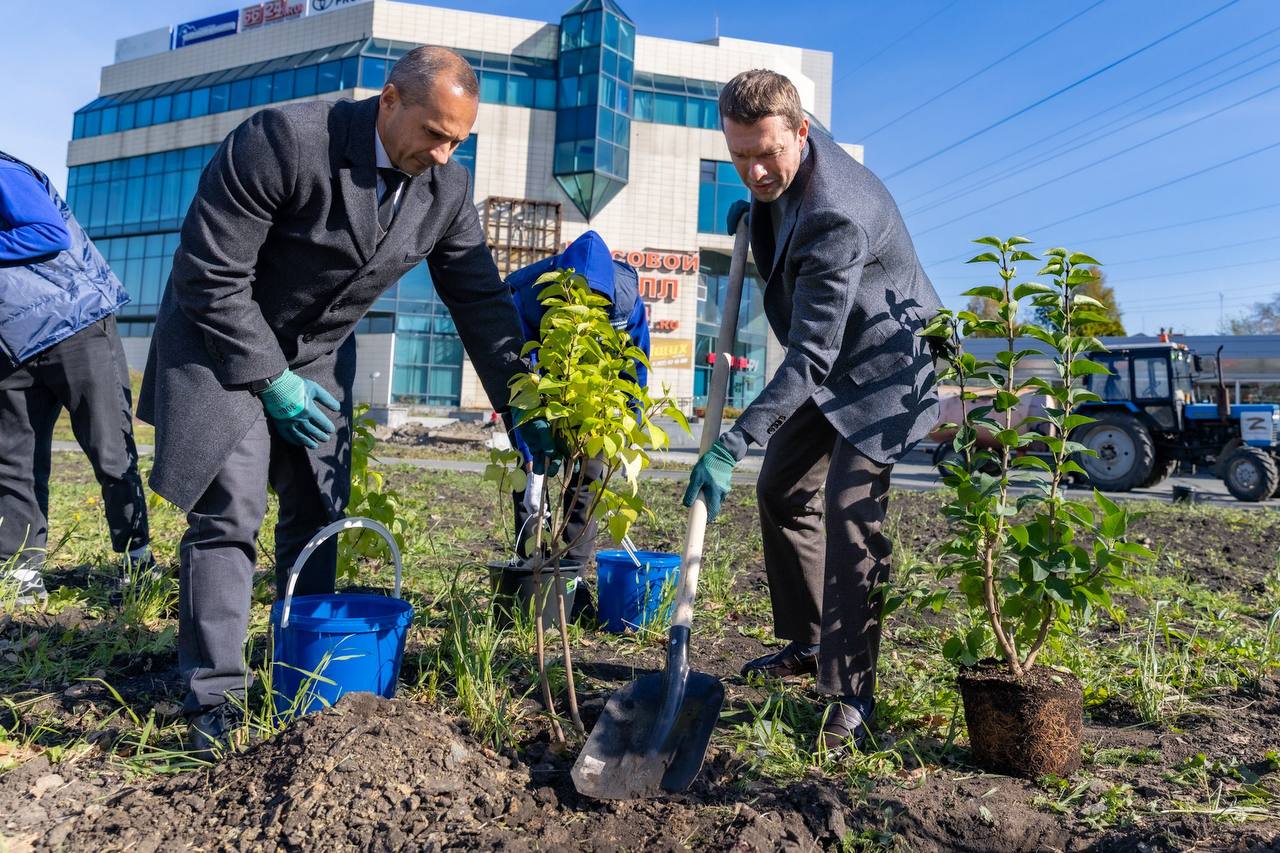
718 188
588 89
160 113
124 117
133 202
520 91
172 161
611 31
200 102
644 105
98 213
591 22
181 105
304 82
604 156
136 167
544 94
109 120
466 155
608 91
350 69
93 123
702 113
373 72
622 131
625 68
152 196
491 87
610 61
171 195
143 112
568 91
260 90
282 85
564 157
239 95
570 32
115 202
328 76
668 109
627 39
77 126
605 125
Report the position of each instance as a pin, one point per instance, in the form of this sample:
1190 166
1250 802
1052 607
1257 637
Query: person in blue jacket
59 348
618 282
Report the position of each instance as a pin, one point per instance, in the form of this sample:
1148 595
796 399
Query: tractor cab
1148 422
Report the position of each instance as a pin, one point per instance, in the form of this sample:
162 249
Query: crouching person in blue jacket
59 348
590 258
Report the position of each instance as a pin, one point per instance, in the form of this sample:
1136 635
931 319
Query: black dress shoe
792 660
846 725
210 734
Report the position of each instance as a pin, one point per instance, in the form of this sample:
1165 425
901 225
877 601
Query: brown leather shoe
791 660
846 725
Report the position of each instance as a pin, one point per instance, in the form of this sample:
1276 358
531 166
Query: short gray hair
759 93
417 71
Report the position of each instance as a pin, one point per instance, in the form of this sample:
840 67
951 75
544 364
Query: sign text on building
319 7
651 260
671 352
206 29
270 12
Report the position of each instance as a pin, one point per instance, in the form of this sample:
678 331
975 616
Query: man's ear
389 97
803 131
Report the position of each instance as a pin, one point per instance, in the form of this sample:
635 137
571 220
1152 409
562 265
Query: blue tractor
1148 424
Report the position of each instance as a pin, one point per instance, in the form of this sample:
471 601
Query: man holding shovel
845 293
306 214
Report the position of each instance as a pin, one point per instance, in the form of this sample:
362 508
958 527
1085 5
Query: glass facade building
575 135
593 105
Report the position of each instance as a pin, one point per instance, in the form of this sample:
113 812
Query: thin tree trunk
540 639
570 688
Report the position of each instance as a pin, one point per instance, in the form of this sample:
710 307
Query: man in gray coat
845 293
304 216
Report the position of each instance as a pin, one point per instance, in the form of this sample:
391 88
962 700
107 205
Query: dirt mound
458 434
373 774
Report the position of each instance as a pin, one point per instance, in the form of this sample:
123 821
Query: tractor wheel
1162 470
1220 462
1251 474
1124 456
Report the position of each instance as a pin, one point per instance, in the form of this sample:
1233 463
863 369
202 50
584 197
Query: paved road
916 473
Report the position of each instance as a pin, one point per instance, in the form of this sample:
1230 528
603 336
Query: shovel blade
619 762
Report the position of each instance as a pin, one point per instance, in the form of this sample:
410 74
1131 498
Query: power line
1095 135
1215 268
1218 248
1066 88
1055 28
1159 186
1089 241
1056 134
894 43
1102 160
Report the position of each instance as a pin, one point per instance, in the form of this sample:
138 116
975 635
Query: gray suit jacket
845 294
279 259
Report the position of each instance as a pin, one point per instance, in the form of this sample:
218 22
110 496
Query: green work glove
711 478
291 405
537 435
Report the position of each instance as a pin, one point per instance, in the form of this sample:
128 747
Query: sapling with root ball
1027 556
583 384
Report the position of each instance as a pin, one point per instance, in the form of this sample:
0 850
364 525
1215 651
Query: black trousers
579 529
88 375
822 509
218 552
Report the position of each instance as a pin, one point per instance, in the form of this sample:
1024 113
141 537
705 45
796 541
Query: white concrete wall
375 354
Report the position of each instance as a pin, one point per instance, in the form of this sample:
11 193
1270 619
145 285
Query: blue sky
1159 165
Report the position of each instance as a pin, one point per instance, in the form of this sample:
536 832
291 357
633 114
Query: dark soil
373 774
458 439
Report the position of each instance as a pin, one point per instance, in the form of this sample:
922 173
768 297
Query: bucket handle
319 539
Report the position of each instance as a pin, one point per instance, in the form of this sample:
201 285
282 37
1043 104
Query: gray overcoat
845 294
279 258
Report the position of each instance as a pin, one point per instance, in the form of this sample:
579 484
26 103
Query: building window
718 187
428 354
505 79
746 376
682 101
142 263
150 192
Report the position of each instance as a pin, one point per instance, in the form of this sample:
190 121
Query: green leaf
1018 241
988 241
1083 367
995 294
1084 299
1005 401
984 258
1027 288
1081 258
952 649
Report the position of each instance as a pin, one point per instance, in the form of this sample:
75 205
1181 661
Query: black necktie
391 181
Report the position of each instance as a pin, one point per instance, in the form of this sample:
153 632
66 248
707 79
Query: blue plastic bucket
630 595
325 646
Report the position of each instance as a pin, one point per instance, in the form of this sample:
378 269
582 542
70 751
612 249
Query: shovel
653 734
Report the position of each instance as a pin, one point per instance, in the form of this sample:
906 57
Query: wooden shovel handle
691 560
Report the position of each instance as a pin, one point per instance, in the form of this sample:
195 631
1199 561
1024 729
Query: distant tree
1101 291
1261 318
987 309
